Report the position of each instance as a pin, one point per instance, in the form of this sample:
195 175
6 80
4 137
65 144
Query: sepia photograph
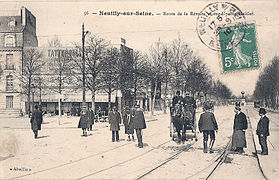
160 89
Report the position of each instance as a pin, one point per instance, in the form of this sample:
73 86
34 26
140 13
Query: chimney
23 15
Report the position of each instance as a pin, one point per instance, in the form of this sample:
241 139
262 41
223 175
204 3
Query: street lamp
32 90
84 33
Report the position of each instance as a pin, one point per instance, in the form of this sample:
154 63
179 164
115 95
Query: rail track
81 159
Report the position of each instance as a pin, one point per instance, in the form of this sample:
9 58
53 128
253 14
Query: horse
183 119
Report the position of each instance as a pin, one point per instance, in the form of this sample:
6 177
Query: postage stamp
238 47
214 15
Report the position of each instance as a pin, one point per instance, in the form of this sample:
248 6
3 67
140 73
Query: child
207 125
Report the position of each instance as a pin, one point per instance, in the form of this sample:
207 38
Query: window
9 102
9 60
9 83
10 41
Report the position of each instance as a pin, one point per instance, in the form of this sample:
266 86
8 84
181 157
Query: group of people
133 120
208 126
86 121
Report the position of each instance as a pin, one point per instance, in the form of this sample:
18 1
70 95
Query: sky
65 18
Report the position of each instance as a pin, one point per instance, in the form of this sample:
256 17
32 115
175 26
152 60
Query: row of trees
167 67
267 87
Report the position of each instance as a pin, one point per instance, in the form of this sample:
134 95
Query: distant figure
207 125
138 121
188 100
239 127
99 113
129 129
83 122
114 121
91 119
177 98
73 111
36 121
263 131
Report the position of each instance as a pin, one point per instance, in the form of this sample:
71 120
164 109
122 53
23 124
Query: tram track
220 159
255 147
84 158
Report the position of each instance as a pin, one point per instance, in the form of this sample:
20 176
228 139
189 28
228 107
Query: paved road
62 153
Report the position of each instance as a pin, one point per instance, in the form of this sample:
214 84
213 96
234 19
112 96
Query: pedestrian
139 124
91 119
114 121
129 128
208 126
239 127
83 122
263 131
99 113
36 121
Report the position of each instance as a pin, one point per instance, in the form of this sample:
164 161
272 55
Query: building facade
17 30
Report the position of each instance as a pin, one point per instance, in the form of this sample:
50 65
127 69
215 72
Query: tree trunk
109 99
165 98
154 98
28 97
93 99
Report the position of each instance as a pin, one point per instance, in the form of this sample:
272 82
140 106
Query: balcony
10 67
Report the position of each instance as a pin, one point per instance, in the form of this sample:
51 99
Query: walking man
36 121
239 127
208 126
139 123
263 131
114 121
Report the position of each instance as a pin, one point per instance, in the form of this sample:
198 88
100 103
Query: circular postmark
219 17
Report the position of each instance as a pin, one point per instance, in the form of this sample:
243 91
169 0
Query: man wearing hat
207 125
188 100
114 121
177 98
239 127
139 123
263 131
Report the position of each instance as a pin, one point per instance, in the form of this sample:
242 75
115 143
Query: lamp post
32 90
84 33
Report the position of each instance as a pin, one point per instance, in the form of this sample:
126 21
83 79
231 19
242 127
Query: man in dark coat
91 119
263 131
114 121
177 98
239 127
83 122
207 125
188 100
36 121
129 128
138 121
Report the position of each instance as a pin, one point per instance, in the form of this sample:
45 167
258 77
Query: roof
4 24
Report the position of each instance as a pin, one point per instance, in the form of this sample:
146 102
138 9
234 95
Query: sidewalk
269 163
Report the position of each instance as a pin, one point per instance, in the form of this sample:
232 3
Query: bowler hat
262 111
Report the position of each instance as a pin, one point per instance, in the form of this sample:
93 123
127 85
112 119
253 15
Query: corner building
17 30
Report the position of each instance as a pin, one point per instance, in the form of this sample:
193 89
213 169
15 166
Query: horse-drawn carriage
182 119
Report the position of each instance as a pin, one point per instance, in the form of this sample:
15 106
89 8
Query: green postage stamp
238 47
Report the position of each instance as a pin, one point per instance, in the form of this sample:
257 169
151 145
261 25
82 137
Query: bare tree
31 67
95 53
61 67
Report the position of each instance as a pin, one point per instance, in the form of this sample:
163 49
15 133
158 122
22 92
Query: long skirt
238 139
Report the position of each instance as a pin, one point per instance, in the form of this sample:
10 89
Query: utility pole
83 68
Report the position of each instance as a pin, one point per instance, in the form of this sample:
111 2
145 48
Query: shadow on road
40 137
